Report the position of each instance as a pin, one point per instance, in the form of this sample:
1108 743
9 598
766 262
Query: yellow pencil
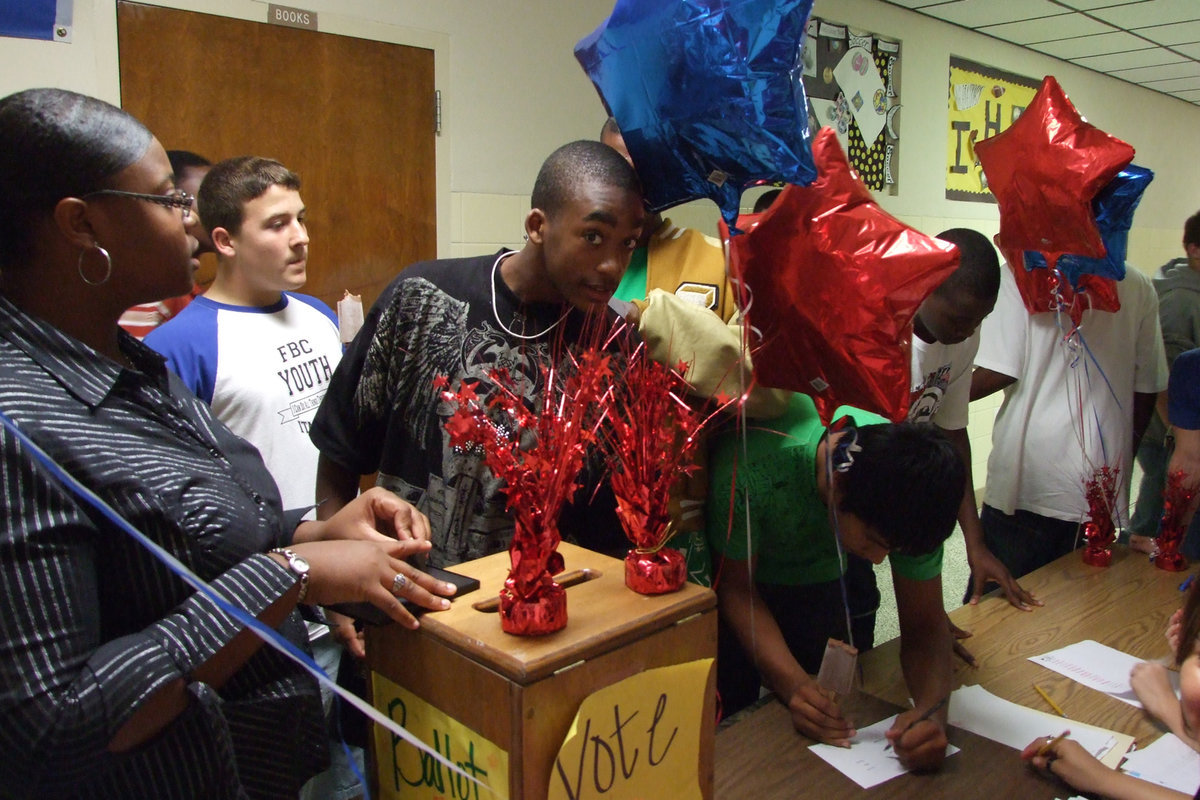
1046 697
1045 749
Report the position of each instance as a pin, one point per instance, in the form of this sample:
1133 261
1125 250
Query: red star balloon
832 282
1044 171
1047 291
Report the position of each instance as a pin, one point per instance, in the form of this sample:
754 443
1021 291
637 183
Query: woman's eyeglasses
176 199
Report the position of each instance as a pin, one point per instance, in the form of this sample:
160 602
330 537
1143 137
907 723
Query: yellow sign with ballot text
408 773
983 101
638 738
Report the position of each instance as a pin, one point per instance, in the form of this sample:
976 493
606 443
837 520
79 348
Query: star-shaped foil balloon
1113 208
832 282
708 94
1044 172
1044 290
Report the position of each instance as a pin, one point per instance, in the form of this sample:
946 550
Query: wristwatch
299 567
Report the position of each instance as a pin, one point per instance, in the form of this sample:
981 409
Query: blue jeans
1152 457
339 781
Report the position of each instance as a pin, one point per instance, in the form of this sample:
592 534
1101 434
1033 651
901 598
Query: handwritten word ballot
405 772
866 761
636 738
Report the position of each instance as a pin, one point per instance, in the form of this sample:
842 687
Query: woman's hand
376 515
373 572
921 747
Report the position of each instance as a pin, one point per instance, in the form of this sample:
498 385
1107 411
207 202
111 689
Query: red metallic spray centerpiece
539 454
1099 531
1177 499
650 436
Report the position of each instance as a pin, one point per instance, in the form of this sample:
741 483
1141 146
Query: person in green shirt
786 501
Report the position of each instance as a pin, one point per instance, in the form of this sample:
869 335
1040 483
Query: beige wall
512 91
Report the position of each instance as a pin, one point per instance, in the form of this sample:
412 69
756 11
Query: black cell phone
365 612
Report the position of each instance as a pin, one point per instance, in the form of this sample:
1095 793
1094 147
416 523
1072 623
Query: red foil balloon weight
659 572
1099 531
1177 498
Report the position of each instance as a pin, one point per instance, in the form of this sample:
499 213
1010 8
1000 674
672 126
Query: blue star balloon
708 95
1113 206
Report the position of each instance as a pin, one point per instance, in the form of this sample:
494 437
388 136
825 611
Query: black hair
765 200
573 164
232 183
978 273
907 483
186 159
54 144
610 128
1191 229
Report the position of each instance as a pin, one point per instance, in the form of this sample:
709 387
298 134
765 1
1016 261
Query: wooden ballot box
628 685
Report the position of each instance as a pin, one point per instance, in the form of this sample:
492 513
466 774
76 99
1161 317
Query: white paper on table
977 710
1098 667
1168 762
866 762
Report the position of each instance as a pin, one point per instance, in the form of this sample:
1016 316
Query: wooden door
355 119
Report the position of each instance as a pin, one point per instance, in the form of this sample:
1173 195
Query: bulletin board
983 101
852 79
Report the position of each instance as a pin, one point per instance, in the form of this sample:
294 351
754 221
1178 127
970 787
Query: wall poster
852 79
983 101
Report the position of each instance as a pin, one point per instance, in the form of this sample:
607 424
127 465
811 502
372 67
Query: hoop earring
107 263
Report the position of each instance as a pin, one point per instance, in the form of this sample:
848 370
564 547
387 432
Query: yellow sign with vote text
408 773
638 738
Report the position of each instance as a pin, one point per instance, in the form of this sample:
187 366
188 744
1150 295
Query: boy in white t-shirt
262 356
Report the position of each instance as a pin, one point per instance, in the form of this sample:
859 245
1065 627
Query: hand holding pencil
919 738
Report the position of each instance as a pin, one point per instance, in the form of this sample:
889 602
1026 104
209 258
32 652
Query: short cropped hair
1191 229
55 144
232 183
610 128
766 200
907 483
573 164
186 159
978 273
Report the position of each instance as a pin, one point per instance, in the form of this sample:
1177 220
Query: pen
1183 587
932 710
1050 702
1045 749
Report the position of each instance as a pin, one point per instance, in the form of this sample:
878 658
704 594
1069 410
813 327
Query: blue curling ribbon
1113 208
708 94
270 637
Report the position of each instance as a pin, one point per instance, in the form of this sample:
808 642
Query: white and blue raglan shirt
264 371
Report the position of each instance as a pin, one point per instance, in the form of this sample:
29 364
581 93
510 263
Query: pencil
1051 703
932 710
1045 749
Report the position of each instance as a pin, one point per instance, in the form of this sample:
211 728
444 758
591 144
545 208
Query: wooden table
1125 606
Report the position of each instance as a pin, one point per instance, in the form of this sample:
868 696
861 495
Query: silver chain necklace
496 311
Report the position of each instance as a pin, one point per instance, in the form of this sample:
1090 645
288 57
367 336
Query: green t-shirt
788 523
633 282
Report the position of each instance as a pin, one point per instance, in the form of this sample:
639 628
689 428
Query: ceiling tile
977 13
1173 85
1151 12
1063 26
1184 69
915 3
1091 45
1189 50
1109 62
1191 95
1179 33
1087 5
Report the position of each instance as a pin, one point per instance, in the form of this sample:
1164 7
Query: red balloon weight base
545 613
655 573
1095 556
1171 562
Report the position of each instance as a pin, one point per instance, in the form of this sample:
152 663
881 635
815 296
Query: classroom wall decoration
852 79
983 101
